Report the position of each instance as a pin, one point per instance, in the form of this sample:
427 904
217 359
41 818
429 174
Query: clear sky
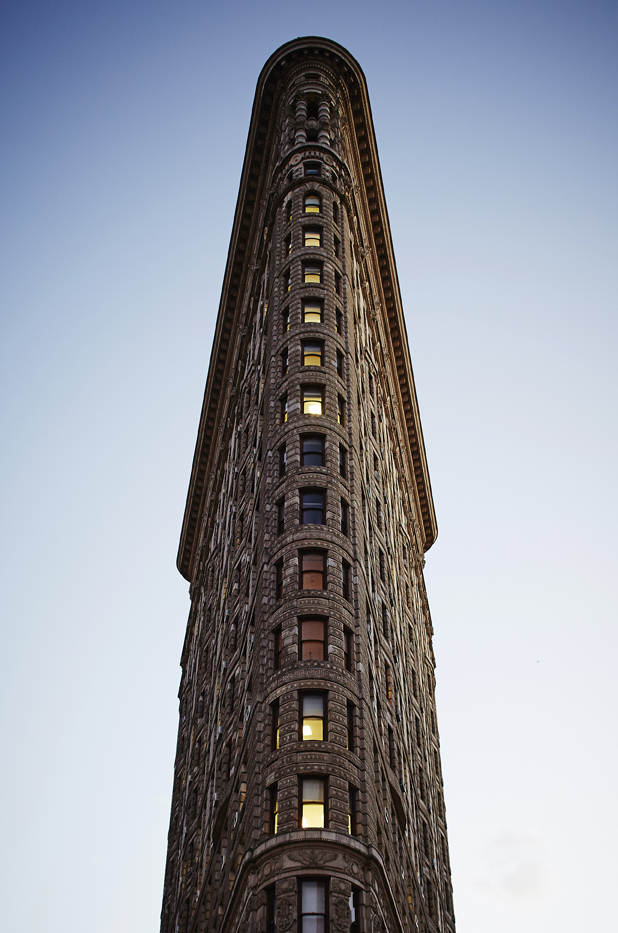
123 127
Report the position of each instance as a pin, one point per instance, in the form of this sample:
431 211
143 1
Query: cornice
252 198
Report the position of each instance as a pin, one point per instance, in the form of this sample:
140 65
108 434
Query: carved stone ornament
341 914
284 914
352 866
313 858
272 866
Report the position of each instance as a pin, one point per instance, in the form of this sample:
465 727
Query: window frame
315 342
302 696
307 620
313 387
279 579
348 648
346 589
323 779
280 516
313 267
277 647
315 491
304 453
314 232
310 306
273 808
306 553
275 720
322 883
313 208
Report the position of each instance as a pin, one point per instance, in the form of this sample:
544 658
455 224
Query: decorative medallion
284 914
341 914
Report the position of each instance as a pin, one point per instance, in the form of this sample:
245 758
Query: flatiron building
307 789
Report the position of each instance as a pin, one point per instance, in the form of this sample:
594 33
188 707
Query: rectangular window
313 799
345 580
312 236
340 411
285 362
287 281
278 647
385 621
283 409
343 461
313 400
348 649
337 283
312 507
312 273
288 211
288 245
345 513
382 566
271 909
313 351
313 204
350 743
274 809
339 364
388 683
285 320
336 247
280 516
351 810
312 717
282 461
355 911
313 570
336 212
312 639
312 450
339 322
313 903
274 725
312 312
312 168
279 579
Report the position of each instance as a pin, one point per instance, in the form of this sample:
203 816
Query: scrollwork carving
284 914
341 914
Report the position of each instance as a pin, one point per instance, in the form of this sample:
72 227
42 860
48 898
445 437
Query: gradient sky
123 127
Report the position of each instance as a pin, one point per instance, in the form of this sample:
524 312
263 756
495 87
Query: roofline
237 271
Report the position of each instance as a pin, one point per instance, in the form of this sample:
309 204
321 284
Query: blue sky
123 127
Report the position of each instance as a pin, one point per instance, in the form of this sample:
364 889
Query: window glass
344 516
274 708
313 717
312 273
342 461
339 364
312 168
313 570
274 809
313 400
312 816
313 907
351 810
285 320
312 450
285 362
313 204
340 411
312 507
349 726
312 639
284 409
339 322
282 460
313 236
312 312
312 352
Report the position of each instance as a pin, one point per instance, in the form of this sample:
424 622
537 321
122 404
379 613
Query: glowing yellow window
313 717
312 312
312 273
313 236
313 204
312 352
312 815
313 400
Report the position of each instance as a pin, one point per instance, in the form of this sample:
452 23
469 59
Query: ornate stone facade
307 791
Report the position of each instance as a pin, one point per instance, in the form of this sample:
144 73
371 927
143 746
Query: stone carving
284 915
313 858
341 914
352 866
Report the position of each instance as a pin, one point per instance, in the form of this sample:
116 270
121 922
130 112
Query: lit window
313 400
312 717
284 409
312 813
274 809
312 236
312 273
312 352
312 639
312 507
340 411
313 570
312 450
313 907
287 280
313 204
312 312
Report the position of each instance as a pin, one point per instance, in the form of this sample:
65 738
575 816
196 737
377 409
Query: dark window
278 647
340 411
335 212
312 273
288 244
312 168
312 639
388 683
313 351
391 749
285 320
343 461
345 580
271 909
283 402
280 516
312 237
313 570
274 809
350 743
312 507
313 805
312 450
279 579
345 511
274 723
312 311
348 649
384 620
351 810
288 210
284 362
373 425
339 364
312 717
382 566
312 204
313 400
339 322
337 283
354 911
336 247
287 280
282 460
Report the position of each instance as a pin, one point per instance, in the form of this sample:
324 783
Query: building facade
307 790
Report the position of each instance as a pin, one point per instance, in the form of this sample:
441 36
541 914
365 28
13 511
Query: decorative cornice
254 191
